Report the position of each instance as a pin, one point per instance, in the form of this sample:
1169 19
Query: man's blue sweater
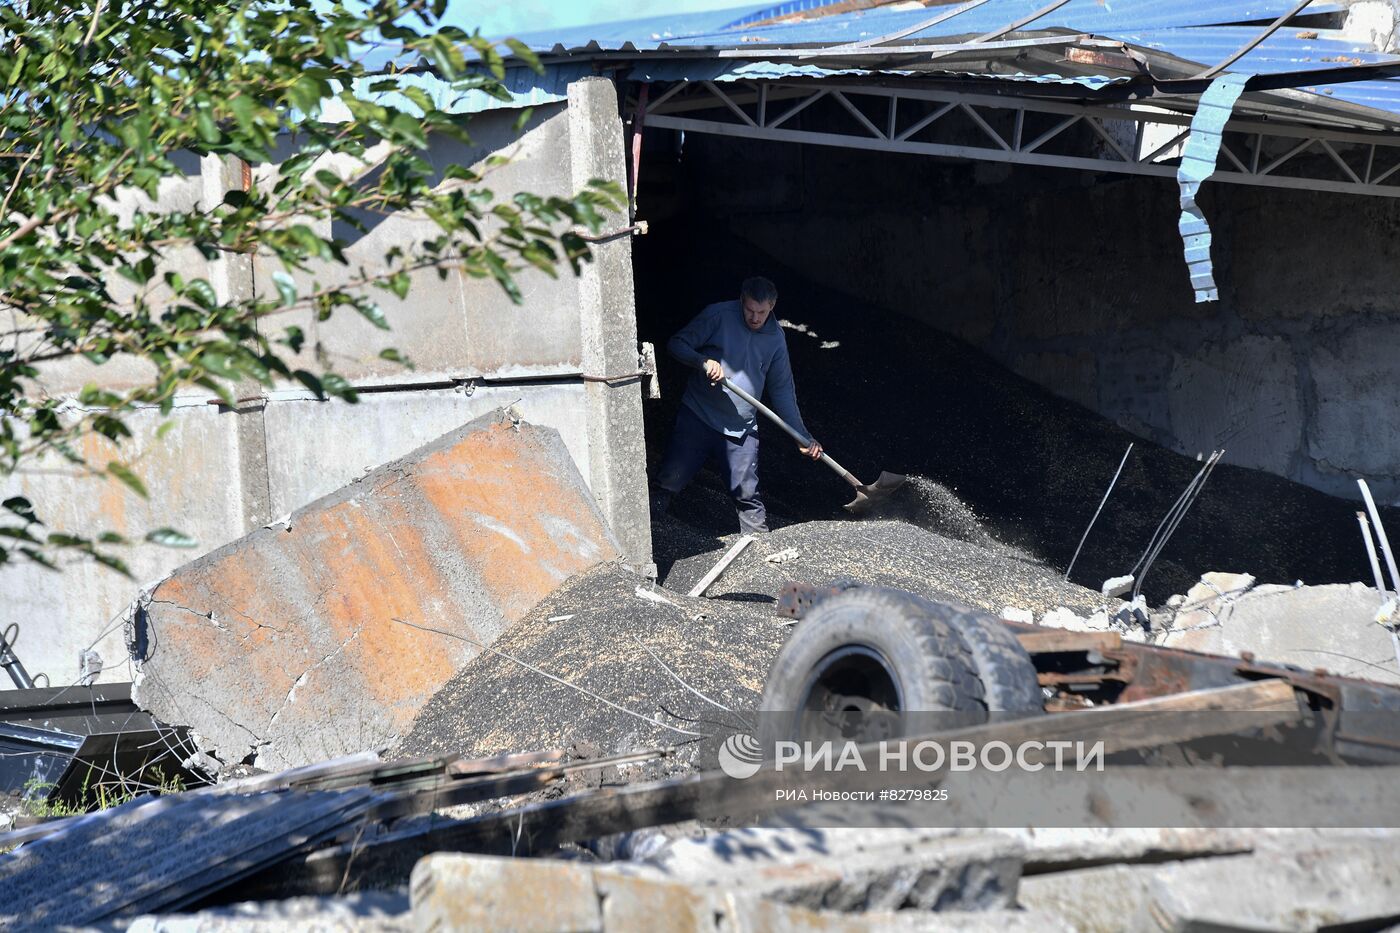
751 359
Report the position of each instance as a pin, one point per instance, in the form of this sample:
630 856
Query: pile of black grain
614 647
933 507
884 553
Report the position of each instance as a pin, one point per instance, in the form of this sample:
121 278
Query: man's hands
715 372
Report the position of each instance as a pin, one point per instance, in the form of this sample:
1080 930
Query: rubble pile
563 767
1334 627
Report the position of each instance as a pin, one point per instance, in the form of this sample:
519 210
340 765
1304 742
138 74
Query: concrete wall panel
1242 396
1356 425
192 474
452 326
186 192
1313 256
315 447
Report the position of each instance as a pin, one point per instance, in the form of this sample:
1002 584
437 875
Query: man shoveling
739 342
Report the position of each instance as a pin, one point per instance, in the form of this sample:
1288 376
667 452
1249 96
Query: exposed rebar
1102 502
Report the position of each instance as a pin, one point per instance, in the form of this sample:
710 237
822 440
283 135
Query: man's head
757 297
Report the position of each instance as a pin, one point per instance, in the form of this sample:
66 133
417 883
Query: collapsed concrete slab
295 642
1331 626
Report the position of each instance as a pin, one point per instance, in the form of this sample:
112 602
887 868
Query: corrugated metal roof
717 29
1285 50
526 87
790 8
1197 165
729 70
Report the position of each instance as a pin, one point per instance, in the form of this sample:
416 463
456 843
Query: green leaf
398 283
305 95
202 292
21 507
286 288
169 537
39 558
205 126
310 381
16 71
408 128
112 563
373 313
110 427
522 52
133 482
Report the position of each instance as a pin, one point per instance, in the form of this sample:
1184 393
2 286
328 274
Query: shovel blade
869 496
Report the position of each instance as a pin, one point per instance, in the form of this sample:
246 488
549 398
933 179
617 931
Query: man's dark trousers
692 444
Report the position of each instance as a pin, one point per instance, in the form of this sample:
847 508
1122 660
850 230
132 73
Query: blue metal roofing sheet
526 87
729 70
716 29
791 8
1285 50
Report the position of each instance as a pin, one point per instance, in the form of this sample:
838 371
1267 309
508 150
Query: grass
94 797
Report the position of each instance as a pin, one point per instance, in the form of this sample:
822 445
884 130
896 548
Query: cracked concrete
1331 627
284 644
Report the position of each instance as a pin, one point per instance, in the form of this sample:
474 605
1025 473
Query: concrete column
232 278
617 449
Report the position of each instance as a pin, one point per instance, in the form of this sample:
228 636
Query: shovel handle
795 434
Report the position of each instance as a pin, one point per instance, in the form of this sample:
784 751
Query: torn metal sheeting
57 742
162 853
1197 165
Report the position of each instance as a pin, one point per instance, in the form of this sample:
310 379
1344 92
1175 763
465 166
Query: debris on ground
361 912
1331 627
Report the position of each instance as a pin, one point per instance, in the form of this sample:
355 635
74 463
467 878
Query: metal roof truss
1127 138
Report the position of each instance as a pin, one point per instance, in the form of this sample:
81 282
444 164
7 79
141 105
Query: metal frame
1253 152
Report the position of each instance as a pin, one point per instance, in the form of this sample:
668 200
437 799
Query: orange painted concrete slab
285 643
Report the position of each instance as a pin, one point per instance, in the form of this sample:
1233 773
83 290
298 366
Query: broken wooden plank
450 792
720 566
503 762
713 795
1060 641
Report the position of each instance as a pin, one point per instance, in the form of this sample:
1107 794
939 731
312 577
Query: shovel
866 496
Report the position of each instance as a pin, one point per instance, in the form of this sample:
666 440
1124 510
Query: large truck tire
1009 683
863 665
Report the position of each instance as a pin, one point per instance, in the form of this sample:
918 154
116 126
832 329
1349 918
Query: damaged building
1048 260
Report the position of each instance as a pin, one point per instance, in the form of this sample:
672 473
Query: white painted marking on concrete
501 529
